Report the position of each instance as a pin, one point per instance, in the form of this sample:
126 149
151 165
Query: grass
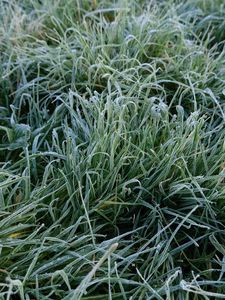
112 150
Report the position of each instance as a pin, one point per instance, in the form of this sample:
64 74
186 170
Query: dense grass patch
112 149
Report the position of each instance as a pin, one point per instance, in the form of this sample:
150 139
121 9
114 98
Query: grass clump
112 150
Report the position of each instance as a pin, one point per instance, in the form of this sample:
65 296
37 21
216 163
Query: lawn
112 149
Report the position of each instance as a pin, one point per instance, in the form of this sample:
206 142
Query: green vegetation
112 149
